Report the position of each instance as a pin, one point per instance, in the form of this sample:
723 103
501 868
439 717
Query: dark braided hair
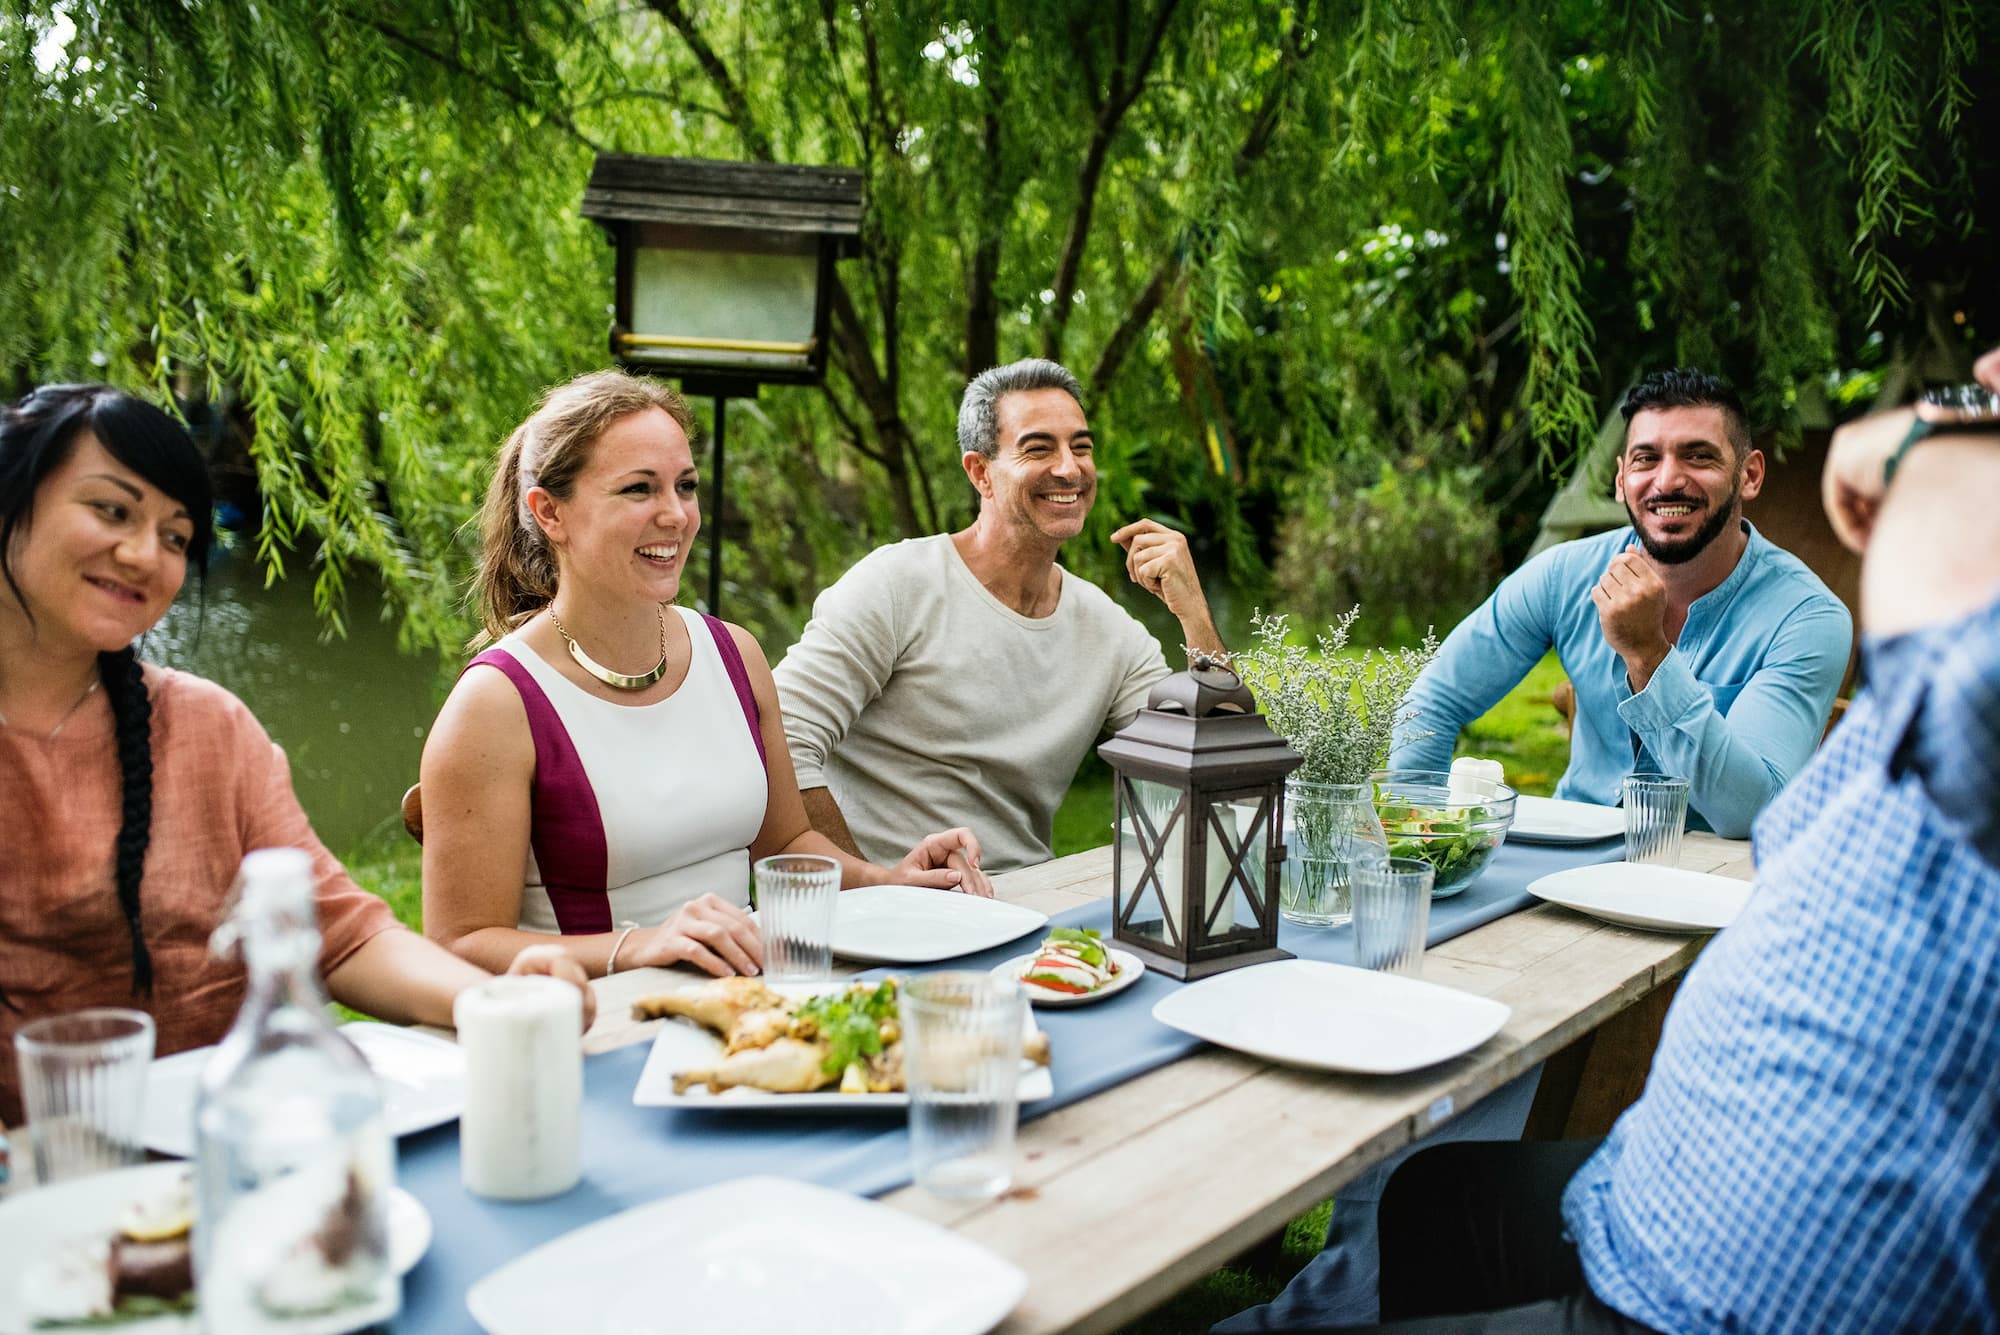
37 436
132 722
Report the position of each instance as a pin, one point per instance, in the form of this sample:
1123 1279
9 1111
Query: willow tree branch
556 116
1127 83
878 97
734 102
850 339
851 430
1295 48
652 95
1000 185
1133 323
831 27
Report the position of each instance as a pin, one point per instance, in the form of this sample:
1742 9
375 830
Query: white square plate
907 924
1636 894
754 1256
423 1084
683 1045
36 1222
1550 820
1332 1017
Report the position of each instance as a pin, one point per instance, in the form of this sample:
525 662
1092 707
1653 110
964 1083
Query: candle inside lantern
520 1134
1160 803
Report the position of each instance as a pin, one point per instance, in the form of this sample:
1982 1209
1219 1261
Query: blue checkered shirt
1818 1148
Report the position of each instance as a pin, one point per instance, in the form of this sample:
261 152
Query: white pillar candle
1173 860
520 1135
1474 780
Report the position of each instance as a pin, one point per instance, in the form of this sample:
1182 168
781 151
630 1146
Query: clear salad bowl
1457 837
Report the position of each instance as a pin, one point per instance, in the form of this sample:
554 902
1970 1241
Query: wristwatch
1923 428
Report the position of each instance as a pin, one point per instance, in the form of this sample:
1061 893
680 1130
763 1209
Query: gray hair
979 410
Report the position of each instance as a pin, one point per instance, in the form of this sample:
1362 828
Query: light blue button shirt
1736 707
1818 1146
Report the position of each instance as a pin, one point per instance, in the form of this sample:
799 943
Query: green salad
1449 838
851 1022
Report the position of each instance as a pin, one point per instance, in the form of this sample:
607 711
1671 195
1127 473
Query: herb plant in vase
1339 710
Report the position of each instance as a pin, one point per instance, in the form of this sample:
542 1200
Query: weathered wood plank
1226 1165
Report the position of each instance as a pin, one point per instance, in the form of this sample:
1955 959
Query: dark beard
1686 549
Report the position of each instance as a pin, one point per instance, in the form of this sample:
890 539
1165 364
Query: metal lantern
1199 779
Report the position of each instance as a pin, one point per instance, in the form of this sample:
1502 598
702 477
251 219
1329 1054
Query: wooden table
1123 1199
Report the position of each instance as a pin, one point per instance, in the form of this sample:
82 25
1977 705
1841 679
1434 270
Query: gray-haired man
968 672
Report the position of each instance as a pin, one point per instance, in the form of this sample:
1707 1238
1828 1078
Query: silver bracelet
611 962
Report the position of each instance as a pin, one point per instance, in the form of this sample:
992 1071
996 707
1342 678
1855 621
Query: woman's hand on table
710 933
554 962
947 860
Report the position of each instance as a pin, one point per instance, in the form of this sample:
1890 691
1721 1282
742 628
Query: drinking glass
83 1087
1392 914
962 1066
1656 808
795 894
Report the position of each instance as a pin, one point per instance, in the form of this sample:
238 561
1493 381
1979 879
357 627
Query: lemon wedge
162 1216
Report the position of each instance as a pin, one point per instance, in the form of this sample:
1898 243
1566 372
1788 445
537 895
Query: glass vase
1328 828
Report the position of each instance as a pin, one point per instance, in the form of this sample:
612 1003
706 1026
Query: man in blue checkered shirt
1818 1146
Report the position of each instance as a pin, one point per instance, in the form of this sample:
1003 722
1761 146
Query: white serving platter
683 1045
1129 967
1551 820
753 1256
908 924
34 1222
1332 1017
1636 894
422 1075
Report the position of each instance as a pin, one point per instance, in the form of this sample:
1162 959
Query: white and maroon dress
638 809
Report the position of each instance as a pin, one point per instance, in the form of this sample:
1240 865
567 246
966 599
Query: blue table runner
632 1155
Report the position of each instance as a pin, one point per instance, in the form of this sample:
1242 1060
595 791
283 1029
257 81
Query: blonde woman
608 769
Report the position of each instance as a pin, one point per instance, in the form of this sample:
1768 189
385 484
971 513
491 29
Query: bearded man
1697 647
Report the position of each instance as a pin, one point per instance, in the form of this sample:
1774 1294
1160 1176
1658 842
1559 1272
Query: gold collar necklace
615 680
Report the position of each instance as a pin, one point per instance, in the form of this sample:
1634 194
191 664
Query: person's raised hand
1157 560
1853 482
710 933
947 860
555 962
1631 602
1987 370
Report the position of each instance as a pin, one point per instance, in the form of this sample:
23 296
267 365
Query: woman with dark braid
129 792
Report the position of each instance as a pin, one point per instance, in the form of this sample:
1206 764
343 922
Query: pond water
352 713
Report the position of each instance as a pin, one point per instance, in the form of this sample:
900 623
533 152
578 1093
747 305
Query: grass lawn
1521 732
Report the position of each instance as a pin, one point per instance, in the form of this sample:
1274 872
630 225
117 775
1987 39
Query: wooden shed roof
699 192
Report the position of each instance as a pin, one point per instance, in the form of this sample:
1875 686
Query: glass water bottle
294 1163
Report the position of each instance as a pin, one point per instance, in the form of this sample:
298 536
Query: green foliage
1339 710
1280 242
1419 541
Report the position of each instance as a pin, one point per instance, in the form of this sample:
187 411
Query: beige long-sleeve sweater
922 701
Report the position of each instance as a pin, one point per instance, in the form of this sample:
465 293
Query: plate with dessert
1072 967
113 1251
